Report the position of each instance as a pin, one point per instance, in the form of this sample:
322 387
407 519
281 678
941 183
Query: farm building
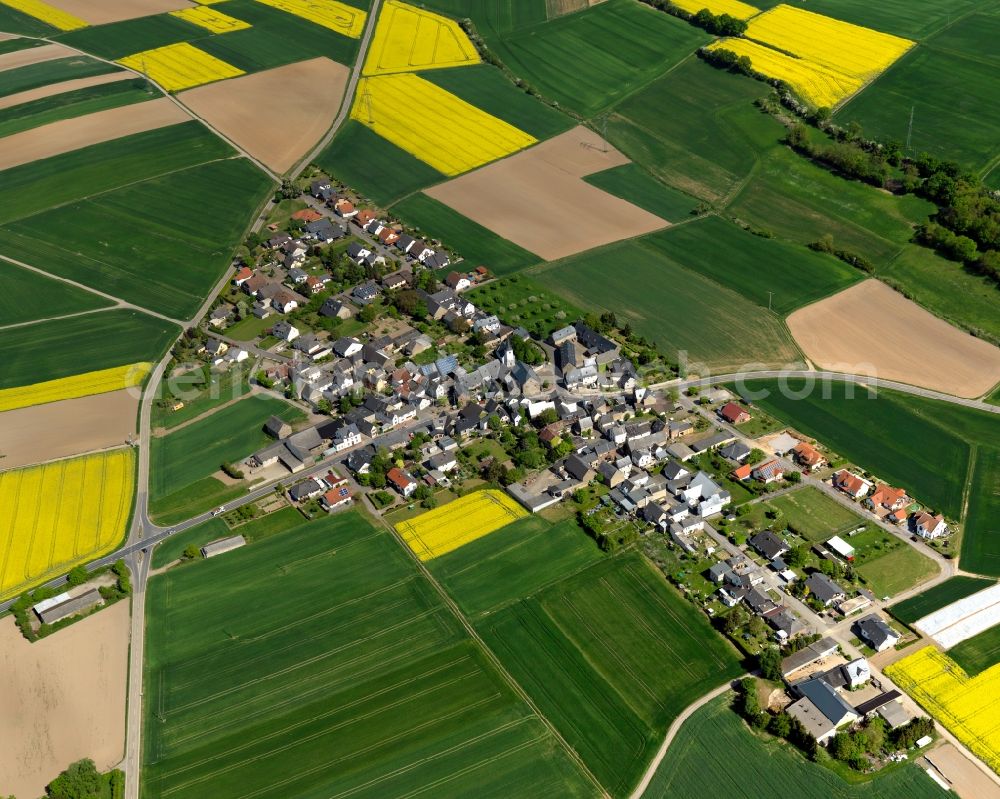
68 606
841 547
806 657
214 548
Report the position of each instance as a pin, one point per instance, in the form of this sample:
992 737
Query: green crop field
486 87
26 190
579 60
385 174
190 455
749 766
978 653
33 76
13 21
28 296
160 244
981 542
947 289
675 307
476 244
710 139
631 182
13 45
64 347
958 127
364 685
610 656
521 302
119 39
72 104
493 18
754 266
909 610
799 201
813 515
919 444
513 563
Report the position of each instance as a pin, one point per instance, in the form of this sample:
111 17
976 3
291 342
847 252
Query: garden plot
305 98
963 619
73 134
872 329
539 200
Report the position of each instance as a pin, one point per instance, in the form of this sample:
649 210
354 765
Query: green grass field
946 289
753 266
793 198
679 309
476 244
521 302
190 455
200 391
385 174
363 685
978 653
589 60
28 296
487 88
26 190
64 347
813 515
909 610
33 76
958 127
745 765
710 139
920 444
610 656
898 570
93 99
512 563
980 545
160 244
631 182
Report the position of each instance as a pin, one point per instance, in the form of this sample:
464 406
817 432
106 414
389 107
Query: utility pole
909 129
770 294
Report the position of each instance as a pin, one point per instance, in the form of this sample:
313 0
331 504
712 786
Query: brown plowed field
97 12
537 198
33 55
59 88
872 330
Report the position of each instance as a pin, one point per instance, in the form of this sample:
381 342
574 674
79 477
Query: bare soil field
98 12
557 8
34 55
538 200
59 88
275 115
72 134
968 781
62 699
871 329
70 427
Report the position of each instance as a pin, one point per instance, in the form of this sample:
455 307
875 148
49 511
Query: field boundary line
114 307
494 660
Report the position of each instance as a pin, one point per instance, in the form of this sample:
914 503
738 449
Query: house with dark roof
876 633
824 589
769 545
821 710
736 451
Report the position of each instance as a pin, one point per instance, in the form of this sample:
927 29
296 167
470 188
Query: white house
928 526
286 331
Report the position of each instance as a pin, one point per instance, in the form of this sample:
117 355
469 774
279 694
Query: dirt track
62 699
73 134
60 429
871 329
33 55
58 88
275 115
966 780
97 12
537 198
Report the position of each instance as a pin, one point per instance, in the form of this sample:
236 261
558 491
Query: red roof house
733 413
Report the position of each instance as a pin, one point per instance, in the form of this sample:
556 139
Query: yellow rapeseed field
470 517
408 38
83 385
718 7
455 136
968 706
55 17
330 14
210 19
180 66
58 515
812 82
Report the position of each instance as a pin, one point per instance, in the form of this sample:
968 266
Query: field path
674 728
114 307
